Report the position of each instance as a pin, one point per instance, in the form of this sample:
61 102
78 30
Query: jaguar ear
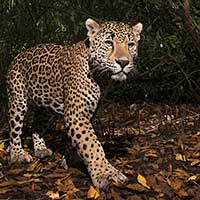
138 27
91 26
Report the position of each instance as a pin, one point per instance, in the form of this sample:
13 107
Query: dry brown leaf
14 171
142 180
191 192
4 191
192 178
115 195
2 146
136 187
32 166
161 195
168 119
151 153
59 181
3 154
35 186
14 182
165 190
181 173
9 183
153 183
182 193
67 186
180 157
60 170
129 171
62 188
67 197
134 197
194 162
152 198
53 195
176 184
57 175
93 193
117 184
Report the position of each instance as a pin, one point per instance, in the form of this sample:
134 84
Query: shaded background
168 63
151 127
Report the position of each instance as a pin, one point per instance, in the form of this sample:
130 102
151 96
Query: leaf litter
157 146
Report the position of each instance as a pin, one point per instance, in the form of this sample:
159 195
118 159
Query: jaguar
70 80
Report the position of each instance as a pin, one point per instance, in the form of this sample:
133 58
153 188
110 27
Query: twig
192 28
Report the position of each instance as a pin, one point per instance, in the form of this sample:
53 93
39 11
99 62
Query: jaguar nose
122 62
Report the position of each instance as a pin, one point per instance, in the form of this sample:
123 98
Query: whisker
101 73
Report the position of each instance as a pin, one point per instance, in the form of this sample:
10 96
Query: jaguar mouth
119 76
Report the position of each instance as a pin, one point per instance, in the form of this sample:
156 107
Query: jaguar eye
109 42
131 44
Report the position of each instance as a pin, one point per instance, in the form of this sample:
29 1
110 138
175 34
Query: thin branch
191 26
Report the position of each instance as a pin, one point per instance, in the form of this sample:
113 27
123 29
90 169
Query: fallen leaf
182 193
180 157
141 179
32 166
117 184
161 195
14 171
181 173
115 195
190 123
3 154
9 183
93 193
4 191
151 198
192 178
151 153
52 195
66 186
136 187
28 175
194 162
134 197
129 171
2 145
35 186
57 175
175 183
153 183
168 119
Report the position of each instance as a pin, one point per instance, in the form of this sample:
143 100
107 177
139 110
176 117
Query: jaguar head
113 48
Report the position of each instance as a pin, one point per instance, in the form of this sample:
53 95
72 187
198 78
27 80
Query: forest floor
156 145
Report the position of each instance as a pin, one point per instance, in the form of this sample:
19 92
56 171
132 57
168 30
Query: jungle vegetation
168 63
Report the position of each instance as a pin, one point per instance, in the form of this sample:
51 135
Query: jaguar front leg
90 149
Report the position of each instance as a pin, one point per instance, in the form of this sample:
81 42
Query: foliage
168 61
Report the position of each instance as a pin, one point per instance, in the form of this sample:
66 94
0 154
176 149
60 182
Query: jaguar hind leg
17 110
40 149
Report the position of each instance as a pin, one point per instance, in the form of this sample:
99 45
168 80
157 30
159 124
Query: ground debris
157 146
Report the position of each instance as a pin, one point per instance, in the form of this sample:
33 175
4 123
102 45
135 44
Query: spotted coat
67 80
